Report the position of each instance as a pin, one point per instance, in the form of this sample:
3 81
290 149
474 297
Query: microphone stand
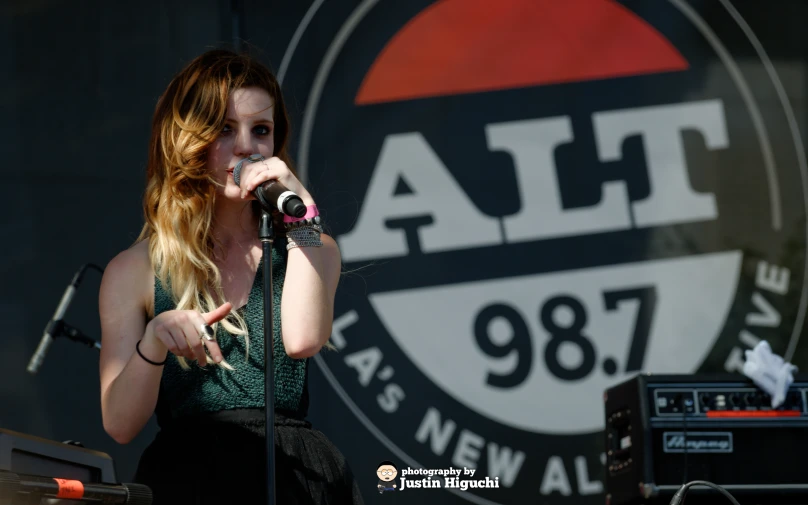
267 235
56 326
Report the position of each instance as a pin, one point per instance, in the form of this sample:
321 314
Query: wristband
311 213
155 363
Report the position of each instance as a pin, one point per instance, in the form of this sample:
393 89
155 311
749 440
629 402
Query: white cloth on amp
769 371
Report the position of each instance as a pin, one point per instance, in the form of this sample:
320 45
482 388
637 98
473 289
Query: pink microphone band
311 212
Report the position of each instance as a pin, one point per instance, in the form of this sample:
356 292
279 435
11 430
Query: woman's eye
260 130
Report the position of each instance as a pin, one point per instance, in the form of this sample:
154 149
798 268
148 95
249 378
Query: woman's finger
193 335
217 314
178 336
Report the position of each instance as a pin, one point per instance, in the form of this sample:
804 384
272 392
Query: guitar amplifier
36 470
27 454
664 430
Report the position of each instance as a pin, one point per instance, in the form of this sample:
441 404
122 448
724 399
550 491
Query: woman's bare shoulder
134 261
130 273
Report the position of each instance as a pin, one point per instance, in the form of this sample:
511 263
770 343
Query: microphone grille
237 173
237 169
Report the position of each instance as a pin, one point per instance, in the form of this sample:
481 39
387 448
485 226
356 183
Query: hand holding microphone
270 193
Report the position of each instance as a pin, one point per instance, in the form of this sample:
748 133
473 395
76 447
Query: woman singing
182 309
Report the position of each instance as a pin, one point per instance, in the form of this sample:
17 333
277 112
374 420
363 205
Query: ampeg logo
697 441
534 201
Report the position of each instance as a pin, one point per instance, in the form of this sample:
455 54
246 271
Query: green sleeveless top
213 388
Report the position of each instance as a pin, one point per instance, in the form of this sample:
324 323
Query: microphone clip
62 329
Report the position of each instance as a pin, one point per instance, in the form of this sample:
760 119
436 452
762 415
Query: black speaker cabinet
663 430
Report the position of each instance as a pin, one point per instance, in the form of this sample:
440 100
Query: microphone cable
91 265
679 497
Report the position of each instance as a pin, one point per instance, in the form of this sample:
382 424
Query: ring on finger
206 332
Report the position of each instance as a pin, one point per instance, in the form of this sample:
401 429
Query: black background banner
534 201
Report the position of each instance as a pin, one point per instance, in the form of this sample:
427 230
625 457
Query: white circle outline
684 8
801 158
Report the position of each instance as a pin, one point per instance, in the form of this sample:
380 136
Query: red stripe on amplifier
753 413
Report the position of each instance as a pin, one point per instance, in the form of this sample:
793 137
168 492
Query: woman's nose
244 144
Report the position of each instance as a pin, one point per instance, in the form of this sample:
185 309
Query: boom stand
266 233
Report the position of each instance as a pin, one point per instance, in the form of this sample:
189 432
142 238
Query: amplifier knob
704 400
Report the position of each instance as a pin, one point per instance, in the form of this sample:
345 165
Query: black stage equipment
665 430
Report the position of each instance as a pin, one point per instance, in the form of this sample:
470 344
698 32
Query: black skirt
219 458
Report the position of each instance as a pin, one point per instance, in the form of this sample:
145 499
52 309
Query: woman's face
248 129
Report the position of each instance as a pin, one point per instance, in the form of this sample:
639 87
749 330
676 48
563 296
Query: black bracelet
137 348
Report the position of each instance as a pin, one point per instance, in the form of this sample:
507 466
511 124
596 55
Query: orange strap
70 489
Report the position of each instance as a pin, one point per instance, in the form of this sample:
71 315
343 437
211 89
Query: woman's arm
129 385
307 305
312 273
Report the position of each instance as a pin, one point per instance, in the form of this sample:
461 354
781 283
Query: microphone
272 194
56 324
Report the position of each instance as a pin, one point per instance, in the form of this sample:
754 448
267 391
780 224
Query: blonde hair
180 193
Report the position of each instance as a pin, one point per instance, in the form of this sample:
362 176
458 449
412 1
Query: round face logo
536 200
386 472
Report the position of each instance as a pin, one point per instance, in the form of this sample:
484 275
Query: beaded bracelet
304 236
315 221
